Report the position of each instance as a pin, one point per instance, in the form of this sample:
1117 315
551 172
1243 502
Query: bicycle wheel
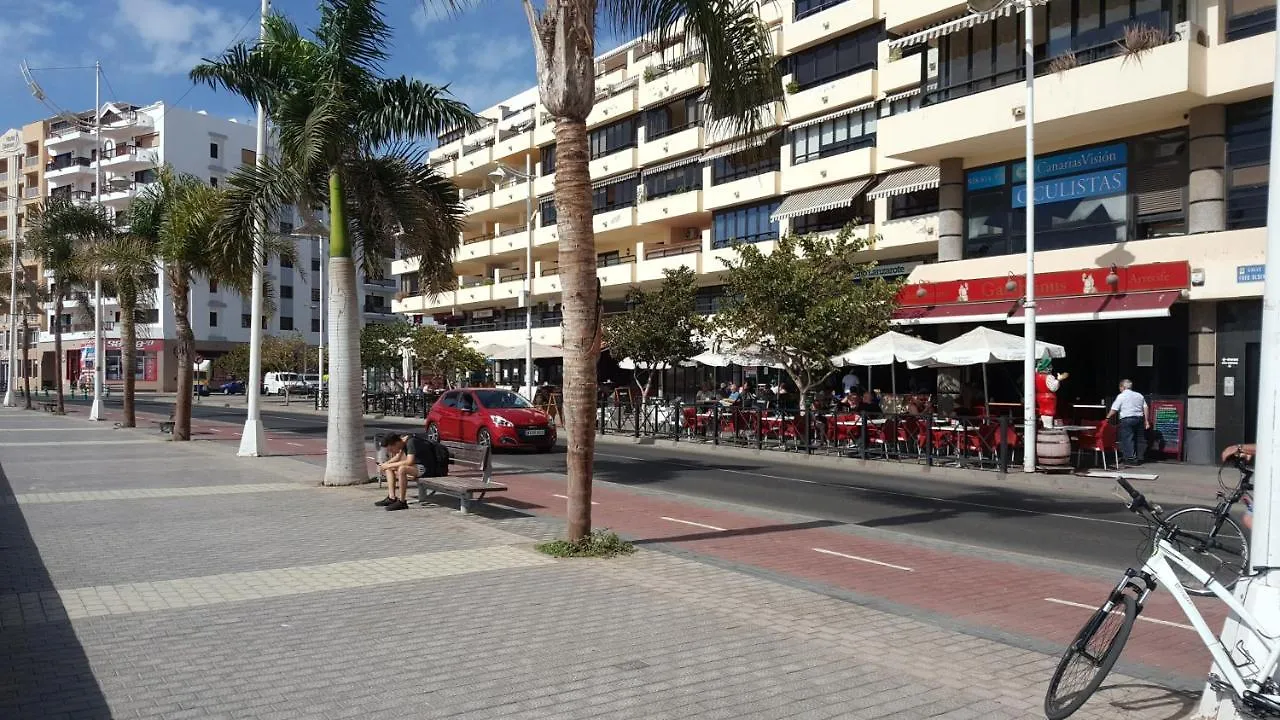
1089 658
1215 543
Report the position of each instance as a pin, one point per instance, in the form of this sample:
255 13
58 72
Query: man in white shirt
851 382
1131 409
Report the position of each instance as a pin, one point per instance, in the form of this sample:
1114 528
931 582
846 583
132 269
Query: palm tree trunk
345 455
180 284
581 315
57 345
128 358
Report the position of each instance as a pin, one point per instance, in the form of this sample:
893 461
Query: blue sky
147 47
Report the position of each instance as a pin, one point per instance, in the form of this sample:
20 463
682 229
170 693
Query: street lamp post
253 440
99 356
10 400
502 171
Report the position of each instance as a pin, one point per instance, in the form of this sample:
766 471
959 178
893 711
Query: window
213 150
1158 177
213 285
286 322
315 294
612 137
838 58
833 137
805 8
672 118
548 159
449 399
920 202
213 319
315 264
767 158
151 316
1246 18
1248 163
747 224
670 182
247 156
286 262
213 182
901 105
709 300
547 212
145 176
859 213
315 324
286 292
614 195
286 227
987 217
244 321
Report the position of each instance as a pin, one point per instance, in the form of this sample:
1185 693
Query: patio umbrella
887 349
983 346
629 364
518 353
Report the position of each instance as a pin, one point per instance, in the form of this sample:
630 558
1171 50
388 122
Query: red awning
976 312
1102 307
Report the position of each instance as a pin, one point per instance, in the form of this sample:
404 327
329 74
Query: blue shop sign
1251 273
985 178
1106 182
1074 162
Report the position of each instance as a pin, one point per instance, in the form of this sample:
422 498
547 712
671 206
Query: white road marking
82 442
690 522
1157 621
566 497
863 559
624 457
371 458
772 477
294 444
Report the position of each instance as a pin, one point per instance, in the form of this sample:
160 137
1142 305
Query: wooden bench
466 489
50 406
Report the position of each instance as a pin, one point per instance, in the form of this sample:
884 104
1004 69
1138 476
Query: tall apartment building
13 188
906 120
136 142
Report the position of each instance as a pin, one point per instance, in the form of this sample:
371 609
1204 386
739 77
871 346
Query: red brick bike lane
1019 599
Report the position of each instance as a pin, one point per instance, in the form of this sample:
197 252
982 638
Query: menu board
1168 424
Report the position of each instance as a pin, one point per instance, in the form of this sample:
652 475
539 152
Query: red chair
1103 441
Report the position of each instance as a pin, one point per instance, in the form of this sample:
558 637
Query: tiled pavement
217 600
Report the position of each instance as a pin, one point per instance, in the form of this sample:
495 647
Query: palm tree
129 264
64 235
340 126
743 76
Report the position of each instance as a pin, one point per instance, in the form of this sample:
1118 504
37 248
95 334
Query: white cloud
176 35
427 13
482 70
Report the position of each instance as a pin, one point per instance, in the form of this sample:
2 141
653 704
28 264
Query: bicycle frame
1159 567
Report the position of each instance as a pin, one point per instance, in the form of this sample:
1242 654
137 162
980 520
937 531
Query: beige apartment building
21 186
906 120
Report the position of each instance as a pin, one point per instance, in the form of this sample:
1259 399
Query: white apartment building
906 120
136 141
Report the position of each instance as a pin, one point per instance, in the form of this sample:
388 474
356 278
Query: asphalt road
1062 526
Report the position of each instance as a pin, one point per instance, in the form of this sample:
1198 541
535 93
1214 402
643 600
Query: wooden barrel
1053 448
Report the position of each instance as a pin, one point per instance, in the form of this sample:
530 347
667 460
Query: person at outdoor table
1131 409
870 402
914 405
705 394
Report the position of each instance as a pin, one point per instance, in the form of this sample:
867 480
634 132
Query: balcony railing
651 136
508 277
31 161
468 193
513 230
476 239
614 260
671 251
31 193
120 151
805 8
63 164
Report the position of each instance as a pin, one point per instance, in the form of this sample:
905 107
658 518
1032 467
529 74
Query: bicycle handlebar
1133 493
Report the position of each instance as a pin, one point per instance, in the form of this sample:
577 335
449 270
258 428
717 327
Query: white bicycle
1096 648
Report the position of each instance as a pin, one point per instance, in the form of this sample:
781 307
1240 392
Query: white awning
961 23
921 177
672 165
902 95
738 146
827 198
834 115
616 178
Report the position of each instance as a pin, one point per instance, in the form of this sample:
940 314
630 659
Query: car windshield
500 399
286 377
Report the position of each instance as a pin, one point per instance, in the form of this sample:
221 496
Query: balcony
674 143
741 192
446 165
512 238
623 273
474 248
475 157
615 162
613 103
901 74
68 167
921 230
672 80
617 219
544 185
835 168
476 293
837 18
771 12
127 158
545 235
907 16
547 283
448 151
120 193
511 195
31 162
509 287
714 262
544 133
767 116
670 208
1233 67
1116 96
517 141
832 95
67 136
672 257
477 201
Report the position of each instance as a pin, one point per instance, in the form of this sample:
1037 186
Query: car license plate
536 432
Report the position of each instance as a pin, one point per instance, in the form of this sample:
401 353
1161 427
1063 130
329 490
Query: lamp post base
9 399
253 442
95 410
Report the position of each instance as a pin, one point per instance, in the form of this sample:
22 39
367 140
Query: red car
489 416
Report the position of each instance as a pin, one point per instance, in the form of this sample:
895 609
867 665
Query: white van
276 383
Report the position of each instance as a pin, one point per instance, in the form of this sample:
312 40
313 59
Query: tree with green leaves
342 129
808 300
442 354
382 345
129 264
234 363
24 300
659 329
64 235
284 353
743 78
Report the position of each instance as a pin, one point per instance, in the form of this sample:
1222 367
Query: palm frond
406 109
258 72
253 194
130 266
734 43
354 35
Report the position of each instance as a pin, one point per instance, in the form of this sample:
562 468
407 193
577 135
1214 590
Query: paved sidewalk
155 580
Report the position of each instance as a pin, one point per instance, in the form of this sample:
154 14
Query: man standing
409 455
851 383
1131 408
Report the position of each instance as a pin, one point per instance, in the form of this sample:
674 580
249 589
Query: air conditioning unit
1191 32
692 234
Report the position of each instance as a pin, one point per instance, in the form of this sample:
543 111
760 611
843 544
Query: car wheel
483 438
433 432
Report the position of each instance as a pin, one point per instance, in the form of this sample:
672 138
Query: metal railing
672 251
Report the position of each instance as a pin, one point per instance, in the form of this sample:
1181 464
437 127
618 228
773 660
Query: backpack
436 460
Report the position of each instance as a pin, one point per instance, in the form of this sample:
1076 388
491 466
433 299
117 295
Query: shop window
748 224
671 182
614 195
987 220
859 213
612 137
838 58
920 202
748 163
833 137
1248 163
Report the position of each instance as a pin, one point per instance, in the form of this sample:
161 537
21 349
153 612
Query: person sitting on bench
408 455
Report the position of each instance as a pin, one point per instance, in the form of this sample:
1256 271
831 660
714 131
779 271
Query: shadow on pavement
742 532
1147 698
47 672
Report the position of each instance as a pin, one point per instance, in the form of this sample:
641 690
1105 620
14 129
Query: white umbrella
518 353
629 364
982 346
886 349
